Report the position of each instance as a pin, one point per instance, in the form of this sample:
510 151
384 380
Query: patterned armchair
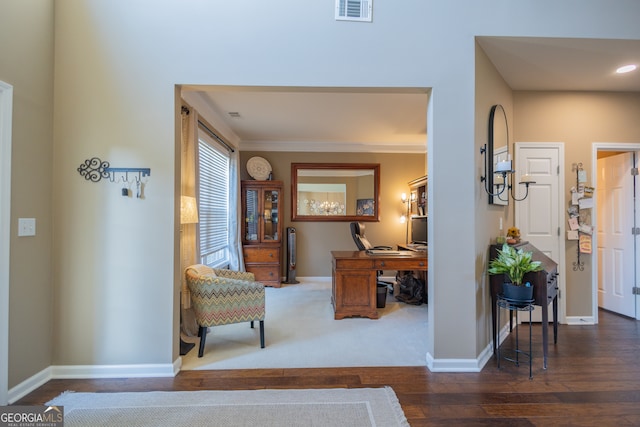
222 297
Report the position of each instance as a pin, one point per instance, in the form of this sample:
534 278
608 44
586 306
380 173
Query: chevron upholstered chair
222 297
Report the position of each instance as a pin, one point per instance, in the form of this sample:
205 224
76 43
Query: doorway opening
305 111
615 270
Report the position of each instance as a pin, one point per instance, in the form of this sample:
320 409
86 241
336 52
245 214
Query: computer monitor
419 230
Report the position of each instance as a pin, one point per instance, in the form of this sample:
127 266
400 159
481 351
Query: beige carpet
300 332
364 407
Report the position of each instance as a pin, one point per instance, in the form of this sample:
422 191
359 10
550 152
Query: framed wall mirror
497 150
335 191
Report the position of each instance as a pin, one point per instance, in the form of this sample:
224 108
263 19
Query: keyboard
386 252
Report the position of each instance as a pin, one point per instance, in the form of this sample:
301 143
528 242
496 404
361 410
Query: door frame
595 147
6 107
562 284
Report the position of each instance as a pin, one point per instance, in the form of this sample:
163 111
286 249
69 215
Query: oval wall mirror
497 150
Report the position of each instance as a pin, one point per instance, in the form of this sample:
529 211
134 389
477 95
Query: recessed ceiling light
626 69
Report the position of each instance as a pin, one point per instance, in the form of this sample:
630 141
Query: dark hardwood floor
593 379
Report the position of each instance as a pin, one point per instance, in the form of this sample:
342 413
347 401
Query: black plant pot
517 293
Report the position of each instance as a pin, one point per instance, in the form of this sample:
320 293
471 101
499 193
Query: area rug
301 332
312 407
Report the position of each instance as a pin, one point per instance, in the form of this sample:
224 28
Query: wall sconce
501 174
404 218
188 210
497 172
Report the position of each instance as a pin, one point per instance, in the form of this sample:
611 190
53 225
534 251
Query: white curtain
236 259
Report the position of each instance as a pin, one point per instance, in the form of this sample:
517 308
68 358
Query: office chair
357 232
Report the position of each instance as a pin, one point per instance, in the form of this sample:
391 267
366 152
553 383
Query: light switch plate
26 226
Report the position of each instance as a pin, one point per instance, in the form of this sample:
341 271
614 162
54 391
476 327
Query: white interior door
539 216
616 252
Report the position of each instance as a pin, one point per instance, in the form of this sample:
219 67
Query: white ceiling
394 120
322 119
528 63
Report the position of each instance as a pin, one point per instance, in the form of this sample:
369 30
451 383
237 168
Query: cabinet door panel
357 291
251 215
271 217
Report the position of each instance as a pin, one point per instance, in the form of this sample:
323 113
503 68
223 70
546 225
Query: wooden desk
354 279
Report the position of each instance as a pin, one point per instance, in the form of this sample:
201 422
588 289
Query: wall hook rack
95 170
578 264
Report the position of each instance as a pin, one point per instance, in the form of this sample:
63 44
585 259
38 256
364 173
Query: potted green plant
514 264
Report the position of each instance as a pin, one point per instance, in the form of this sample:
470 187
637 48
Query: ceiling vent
354 10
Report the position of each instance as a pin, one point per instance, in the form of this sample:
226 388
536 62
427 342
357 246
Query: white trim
6 107
333 147
460 365
595 147
93 372
580 320
30 384
117 371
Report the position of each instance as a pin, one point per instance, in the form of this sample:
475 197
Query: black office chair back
357 232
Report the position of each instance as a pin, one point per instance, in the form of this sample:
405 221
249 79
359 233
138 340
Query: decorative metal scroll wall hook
95 170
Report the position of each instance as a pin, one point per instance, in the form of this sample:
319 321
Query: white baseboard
116 371
30 384
461 365
93 372
315 278
453 365
580 320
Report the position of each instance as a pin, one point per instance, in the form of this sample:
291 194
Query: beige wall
315 240
28 67
117 64
577 119
491 89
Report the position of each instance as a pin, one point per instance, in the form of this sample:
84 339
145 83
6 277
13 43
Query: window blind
213 203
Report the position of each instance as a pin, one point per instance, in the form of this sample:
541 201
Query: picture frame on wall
364 207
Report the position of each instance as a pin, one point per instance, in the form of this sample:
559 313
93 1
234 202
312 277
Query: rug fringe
64 393
397 408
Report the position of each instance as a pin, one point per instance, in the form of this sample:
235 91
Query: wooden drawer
261 254
353 264
265 273
401 264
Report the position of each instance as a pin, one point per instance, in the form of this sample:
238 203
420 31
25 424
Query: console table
545 292
354 279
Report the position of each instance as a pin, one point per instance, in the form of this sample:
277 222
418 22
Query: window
213 202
